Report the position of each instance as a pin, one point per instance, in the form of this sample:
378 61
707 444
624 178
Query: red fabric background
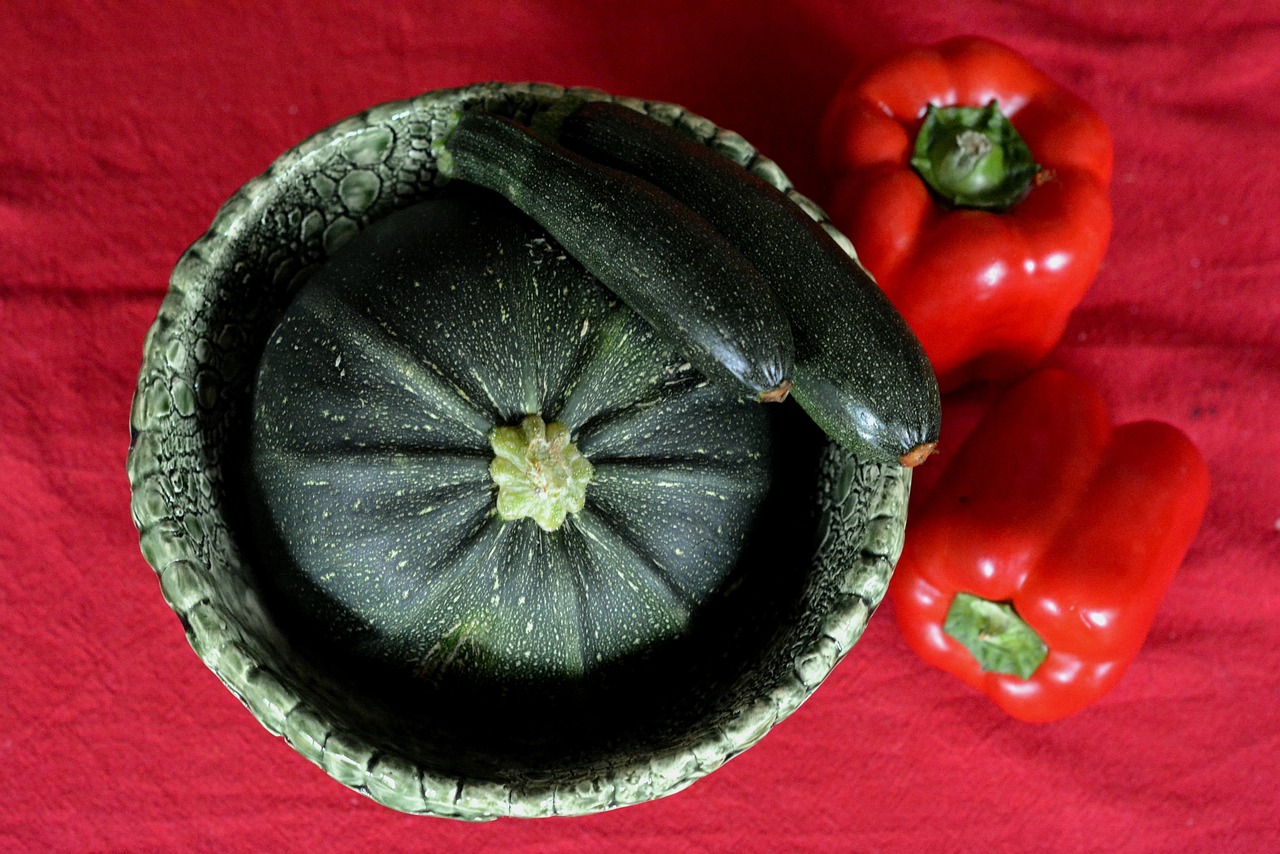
126 125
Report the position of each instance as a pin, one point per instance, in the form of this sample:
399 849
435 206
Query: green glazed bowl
768 646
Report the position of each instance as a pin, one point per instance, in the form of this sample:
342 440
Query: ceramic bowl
766 648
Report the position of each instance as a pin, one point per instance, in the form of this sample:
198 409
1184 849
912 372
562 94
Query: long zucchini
860 372
661 259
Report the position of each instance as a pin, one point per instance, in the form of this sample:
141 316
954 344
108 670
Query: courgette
664 261
860 372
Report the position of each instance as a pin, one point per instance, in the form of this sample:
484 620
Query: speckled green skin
370 454
661 258
189 421
860 372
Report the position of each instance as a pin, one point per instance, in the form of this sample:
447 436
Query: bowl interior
632 706
643 727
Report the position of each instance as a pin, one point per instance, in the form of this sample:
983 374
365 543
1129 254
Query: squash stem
539 473
777 394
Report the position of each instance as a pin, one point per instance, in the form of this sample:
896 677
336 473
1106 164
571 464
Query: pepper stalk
973 157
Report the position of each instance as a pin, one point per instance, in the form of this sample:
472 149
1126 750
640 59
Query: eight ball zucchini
469 460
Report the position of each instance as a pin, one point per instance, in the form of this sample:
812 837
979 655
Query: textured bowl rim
173 508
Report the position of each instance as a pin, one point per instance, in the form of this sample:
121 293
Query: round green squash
475 741
470 461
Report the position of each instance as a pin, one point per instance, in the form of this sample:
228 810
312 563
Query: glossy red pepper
987 289
1034 568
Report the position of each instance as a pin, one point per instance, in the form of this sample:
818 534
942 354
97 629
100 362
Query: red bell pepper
1034 568
974 189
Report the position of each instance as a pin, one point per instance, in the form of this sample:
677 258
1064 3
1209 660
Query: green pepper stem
997 637
973 157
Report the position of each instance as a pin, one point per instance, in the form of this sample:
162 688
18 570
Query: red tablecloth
124 126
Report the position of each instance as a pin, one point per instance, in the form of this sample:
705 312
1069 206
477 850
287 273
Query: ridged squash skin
860 372
370 451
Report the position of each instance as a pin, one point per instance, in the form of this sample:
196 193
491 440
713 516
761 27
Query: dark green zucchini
437 379
860 372
664 261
